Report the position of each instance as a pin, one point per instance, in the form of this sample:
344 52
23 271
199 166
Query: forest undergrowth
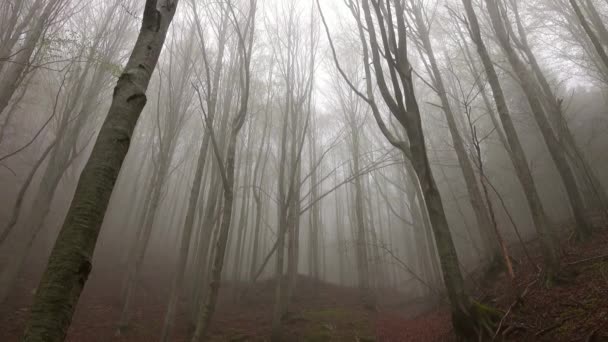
574 310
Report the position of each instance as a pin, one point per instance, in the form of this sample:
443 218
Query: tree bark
589 31
515 150
70 261
475 197
532 93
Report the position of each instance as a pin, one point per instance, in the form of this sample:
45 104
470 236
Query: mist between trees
398 145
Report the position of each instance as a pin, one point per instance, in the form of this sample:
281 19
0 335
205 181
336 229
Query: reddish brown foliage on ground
576 310
573 309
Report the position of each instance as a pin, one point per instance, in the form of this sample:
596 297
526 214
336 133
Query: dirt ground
576 309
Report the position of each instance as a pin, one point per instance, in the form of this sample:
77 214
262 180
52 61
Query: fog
229 170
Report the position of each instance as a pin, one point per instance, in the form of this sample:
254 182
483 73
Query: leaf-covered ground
574 310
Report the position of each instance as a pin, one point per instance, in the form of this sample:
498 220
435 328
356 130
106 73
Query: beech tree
70 262
384 43
293 161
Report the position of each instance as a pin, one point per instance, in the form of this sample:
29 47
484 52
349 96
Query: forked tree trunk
227 170
470 320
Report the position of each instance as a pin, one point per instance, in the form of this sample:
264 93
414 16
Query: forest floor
574 310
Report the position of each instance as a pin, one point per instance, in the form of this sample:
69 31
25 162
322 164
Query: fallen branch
517 301
600 257
591 337
551 327
554 326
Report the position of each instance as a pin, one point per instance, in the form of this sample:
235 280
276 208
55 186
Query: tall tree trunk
476 198
515 150
583 227
207 310
227 170
340 238
70 261
193 204
554 108
589 31
363 268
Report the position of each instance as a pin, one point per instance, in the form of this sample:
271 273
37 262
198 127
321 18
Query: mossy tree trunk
70 261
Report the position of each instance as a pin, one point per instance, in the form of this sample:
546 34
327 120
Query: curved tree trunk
70 261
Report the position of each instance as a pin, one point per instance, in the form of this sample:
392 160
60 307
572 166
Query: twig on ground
592 335
554 326
549 328
600 257
518 300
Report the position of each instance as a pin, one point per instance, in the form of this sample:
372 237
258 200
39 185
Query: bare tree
484 223
533 93
516 151
70 262
227 165
385 38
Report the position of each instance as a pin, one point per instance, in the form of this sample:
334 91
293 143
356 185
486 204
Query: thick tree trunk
168 143
70 261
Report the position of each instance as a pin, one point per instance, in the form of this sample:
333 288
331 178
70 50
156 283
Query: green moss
320 335
566 328
477 322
